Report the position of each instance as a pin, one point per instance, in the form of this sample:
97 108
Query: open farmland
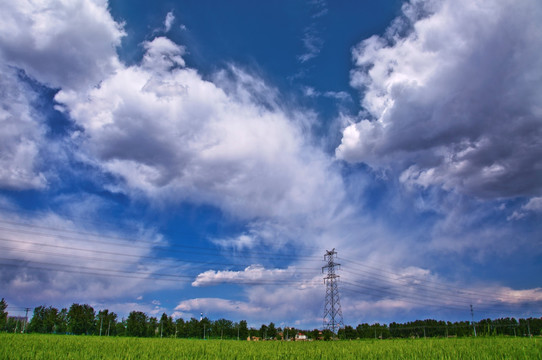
80 347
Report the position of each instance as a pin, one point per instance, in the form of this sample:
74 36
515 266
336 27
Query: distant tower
333 315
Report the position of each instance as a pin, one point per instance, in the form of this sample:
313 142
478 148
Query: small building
300 337
253 338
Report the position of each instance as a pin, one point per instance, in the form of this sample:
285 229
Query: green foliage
46 320
167 326
3 314
136 324
263 332
243 329
81 319
106 323
271 331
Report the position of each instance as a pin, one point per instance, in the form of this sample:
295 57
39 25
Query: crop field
17 346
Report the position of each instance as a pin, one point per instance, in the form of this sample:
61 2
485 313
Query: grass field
17 346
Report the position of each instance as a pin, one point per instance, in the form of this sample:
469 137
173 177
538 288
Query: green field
17 346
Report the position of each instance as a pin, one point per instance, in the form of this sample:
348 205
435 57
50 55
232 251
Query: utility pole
472 317
25 318
333 316
201 319
101 321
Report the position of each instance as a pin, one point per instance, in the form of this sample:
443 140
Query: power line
136 243
135 256
431 303
437 284
149 275
427 291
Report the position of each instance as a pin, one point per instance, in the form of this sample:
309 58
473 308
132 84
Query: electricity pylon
333 315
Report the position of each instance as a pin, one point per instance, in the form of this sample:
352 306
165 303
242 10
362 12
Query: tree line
82 319
434 328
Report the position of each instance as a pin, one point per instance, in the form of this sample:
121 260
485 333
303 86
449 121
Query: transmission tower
333 315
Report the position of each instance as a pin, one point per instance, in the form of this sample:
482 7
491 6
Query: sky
200 157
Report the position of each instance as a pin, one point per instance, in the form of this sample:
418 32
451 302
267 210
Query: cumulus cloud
68 44
285 305
167 132
21 136
253 274
451 97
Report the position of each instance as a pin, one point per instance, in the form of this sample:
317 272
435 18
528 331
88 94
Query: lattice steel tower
333 315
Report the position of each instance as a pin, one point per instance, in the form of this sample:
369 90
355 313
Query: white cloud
337 95
21 136
312 40
253 274
123 309
49 258
534 205
312 44
162 55
195 306
281 304
68 44
452 97
168 22
170 134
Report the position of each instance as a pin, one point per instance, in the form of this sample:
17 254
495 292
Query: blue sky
196 157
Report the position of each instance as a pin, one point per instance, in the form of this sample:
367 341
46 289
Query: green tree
243 330
152 327
180 328
222 328
3 314
120 328
136 324
44 320
263 331
205 325
81 319
106 323
167 327
13 325
314 334
62 322
327 334
347 332
271 331
194 328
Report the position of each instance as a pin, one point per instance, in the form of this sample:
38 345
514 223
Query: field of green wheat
33 346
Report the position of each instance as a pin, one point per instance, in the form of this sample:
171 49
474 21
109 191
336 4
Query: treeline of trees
83 319
434 328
